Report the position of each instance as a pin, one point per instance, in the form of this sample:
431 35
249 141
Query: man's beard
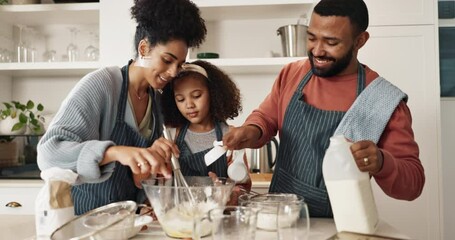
338 64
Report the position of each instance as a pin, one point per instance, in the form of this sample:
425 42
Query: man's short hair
355 10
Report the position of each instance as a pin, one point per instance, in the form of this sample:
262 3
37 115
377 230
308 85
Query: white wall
49 91
253 88
448 165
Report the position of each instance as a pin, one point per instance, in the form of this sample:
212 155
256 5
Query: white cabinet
407 57
448 164
403 12
23 192
242 32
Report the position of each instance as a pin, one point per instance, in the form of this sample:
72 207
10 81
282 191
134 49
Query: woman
109 126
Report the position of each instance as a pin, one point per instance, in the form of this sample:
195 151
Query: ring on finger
141 164
366 161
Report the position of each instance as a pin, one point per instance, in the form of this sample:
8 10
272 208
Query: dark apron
194 164
120 186
304 138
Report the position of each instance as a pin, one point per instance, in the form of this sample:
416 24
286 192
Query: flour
268 220
178 221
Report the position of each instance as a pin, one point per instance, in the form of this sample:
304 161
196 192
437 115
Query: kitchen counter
260 182
261 178
23 227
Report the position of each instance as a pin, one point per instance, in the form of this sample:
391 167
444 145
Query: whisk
179 179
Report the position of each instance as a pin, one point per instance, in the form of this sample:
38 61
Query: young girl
197 103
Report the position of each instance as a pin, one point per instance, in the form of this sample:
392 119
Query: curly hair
163 20
225 99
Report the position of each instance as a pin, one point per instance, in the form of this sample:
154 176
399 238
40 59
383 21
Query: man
331 93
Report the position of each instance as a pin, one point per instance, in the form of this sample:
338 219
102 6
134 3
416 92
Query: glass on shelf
72 50
6 54
49 55
33 37
21 47
92 53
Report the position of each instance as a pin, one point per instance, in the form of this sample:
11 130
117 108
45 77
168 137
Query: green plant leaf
30 104
31 115
40 107
20 106
17 126
34 122
7 105
23 118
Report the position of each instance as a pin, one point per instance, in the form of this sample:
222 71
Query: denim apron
304 138
193 164
120 186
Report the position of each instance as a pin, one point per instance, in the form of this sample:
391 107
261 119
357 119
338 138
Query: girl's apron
304 139
194 164
120 186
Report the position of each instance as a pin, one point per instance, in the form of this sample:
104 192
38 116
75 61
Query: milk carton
53 205
349 190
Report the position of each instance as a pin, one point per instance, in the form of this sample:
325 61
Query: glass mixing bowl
112 221
268 205
178 207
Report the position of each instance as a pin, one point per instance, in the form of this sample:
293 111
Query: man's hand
367 156
241 137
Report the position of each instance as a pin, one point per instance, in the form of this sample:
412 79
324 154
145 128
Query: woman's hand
154 159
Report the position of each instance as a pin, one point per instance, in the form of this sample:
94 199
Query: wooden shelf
45 14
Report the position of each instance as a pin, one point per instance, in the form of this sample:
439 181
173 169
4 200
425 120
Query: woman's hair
163 20
225 99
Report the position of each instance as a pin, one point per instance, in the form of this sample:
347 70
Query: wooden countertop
261 180
261 177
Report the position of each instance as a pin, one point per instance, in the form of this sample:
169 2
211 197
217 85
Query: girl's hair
225 99
163 20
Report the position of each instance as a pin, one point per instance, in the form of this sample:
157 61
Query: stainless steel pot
293 40
263 159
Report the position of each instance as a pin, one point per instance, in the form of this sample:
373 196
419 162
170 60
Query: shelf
44 14
251 65
47 69
254 9
447 22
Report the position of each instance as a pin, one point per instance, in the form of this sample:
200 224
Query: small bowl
205 55
268 204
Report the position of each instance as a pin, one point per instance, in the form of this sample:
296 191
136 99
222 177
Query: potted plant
17 118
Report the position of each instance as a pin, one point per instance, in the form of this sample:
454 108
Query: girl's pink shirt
402 175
